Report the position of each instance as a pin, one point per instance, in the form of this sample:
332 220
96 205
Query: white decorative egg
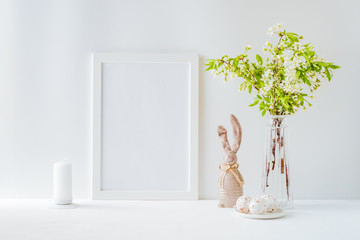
272 204
242 204
258 206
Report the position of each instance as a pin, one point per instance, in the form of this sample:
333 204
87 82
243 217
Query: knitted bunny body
230 181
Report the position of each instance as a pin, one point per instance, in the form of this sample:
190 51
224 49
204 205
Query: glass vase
276 175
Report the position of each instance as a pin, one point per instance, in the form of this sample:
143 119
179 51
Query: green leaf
255 103
257 76
263 112
311 53
292 37
328 75
332 66
307 60
259 59
306 81
322 64
292 34
250 88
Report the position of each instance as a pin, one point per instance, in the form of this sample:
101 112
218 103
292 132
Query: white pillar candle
62 183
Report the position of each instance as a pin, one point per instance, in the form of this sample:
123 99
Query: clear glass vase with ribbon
276 174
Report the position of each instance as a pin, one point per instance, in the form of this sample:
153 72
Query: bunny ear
223 136
237 132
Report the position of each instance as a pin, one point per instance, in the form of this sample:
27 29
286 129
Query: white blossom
275 29
267 73
265 89
278 26
213 72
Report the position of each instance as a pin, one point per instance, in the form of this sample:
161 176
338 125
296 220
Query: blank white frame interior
145 126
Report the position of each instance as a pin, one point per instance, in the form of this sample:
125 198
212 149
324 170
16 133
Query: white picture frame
109 69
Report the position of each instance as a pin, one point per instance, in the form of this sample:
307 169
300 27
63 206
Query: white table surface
34 219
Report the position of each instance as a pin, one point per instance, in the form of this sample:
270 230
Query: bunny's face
230 158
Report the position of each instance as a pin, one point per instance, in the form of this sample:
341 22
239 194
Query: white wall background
45 92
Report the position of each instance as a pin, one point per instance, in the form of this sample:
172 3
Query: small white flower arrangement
285 79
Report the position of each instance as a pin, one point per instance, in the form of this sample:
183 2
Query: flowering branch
285 81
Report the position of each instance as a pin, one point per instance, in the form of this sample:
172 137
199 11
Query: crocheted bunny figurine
230 181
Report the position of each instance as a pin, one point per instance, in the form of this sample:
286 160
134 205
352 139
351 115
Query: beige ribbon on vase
225 170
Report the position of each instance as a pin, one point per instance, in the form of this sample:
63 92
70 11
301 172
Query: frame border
98 60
